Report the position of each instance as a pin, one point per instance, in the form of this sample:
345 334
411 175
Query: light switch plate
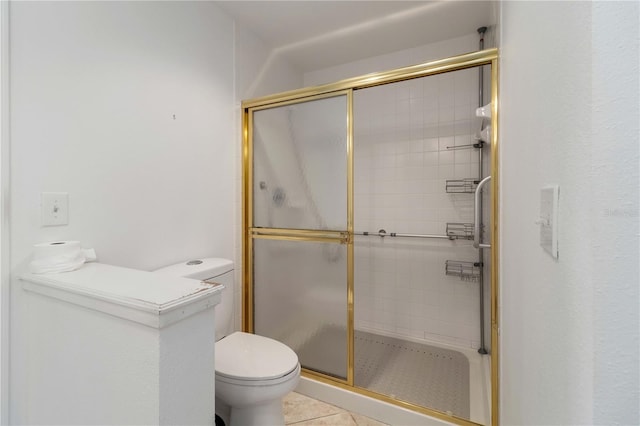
549 201
54 208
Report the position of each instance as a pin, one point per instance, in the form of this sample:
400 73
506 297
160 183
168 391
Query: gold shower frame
346 88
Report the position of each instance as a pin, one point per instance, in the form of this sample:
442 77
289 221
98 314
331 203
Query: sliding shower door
370 233
298 226
420 152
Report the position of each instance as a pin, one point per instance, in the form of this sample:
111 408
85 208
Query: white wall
615 203
5 281
94 88
402 58
569 116
260 70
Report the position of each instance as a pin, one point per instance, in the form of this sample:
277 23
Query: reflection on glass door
299 226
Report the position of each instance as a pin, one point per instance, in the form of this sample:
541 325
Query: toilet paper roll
55 248
57 256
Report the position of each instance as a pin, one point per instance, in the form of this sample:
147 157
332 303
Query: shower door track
250 233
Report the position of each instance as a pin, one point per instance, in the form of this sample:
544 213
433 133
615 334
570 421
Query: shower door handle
476 223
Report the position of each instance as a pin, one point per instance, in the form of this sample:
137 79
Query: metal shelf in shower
461 186
460 231
466 271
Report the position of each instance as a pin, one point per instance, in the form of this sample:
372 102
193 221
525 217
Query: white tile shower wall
401 165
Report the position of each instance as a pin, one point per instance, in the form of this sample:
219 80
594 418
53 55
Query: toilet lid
252 357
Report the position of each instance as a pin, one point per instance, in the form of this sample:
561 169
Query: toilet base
223 411
258 415
253 415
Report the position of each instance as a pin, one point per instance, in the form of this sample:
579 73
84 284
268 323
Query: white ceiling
318 34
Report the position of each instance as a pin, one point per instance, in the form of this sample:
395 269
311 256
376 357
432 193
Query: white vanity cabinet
111 345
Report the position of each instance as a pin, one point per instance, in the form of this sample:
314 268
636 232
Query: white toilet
253 372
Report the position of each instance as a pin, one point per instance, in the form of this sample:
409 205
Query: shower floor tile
421 374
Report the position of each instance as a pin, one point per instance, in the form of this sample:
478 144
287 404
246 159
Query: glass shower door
426 296
298 228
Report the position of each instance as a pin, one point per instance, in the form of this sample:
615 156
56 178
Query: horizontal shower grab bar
383 233
476 224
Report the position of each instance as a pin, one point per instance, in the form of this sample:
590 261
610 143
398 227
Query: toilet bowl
252 373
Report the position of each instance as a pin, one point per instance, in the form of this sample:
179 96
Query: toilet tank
213 269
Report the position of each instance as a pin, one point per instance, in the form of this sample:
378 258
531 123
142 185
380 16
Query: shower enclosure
369 233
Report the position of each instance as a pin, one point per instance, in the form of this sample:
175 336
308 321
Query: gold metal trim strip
247 218
339 237
495 249
454 63
300 238
350 248
322 377
329 380
332 94
286 232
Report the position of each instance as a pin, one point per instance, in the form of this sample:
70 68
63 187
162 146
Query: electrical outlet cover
55 208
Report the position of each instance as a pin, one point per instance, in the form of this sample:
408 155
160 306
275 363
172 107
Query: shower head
482 30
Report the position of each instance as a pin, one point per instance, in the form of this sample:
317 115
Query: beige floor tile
298 407
342 419
365 421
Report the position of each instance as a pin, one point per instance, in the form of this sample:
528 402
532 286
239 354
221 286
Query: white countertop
127 293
